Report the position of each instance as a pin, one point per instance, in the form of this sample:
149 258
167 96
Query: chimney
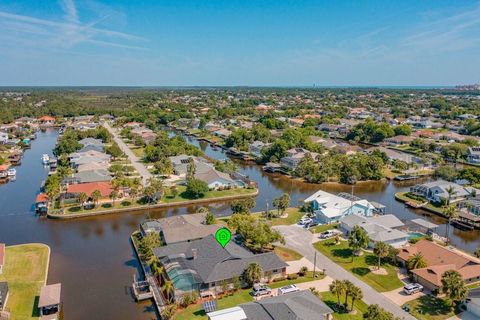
194 254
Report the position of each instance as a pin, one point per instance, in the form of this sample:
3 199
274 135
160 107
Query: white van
287 289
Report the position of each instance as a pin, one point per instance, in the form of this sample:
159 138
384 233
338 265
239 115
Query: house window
275 271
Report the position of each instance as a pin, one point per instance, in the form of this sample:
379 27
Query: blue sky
278 43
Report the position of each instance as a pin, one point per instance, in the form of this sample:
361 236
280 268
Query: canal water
93 258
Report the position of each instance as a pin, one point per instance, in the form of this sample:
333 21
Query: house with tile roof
439 260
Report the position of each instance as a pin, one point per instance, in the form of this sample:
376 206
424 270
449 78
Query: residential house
79 158
49 303
256 148
439 259
180 164
223 133
294 156
330 208
204 265
3 138
216 179
2 256
297 122
181 228
300 305
3 171
396 155
436 191
46 121
399 140
41 203
88 176
379 228
3 296
473 155
91 144
473 302
74 190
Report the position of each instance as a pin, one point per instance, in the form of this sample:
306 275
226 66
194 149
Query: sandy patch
381 271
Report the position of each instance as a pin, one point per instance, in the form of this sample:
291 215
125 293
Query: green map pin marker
223 236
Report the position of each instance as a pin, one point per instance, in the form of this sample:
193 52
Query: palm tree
113 195
454 286
357 240
157 268
82 198
337 287
96 195
451 192
477 252
356 294
416 261
253 273
348 289
450 212
167 289
381 250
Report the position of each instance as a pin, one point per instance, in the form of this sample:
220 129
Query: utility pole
314 264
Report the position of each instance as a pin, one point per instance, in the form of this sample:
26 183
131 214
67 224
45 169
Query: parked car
288 289
260 289
305 221
412 288
327 234
311 224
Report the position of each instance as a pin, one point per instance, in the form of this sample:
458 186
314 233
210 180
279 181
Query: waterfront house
256 148
294 156
395 155
473 155
41 203
180 164
181 228
91 144
3 296
439 260
79 158
49 302
3 171
379 228
300 305
330 208
46 121
436 191
399 140
74 190
2 256
204 265
3 138
216 179
223 133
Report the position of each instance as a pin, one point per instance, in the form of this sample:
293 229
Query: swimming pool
415 235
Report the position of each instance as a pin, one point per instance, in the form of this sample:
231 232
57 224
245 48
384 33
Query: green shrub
292 276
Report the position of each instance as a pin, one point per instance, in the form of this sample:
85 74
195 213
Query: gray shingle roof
301 305
214 263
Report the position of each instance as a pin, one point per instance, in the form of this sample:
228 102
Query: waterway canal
93 258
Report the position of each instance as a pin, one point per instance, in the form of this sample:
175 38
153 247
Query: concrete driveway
400 297
300 240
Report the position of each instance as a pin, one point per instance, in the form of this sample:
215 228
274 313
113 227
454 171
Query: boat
11 172
45 159
462 225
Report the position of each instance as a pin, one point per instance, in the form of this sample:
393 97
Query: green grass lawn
195 312
331 301
287 254
138 151
323 227
294 215
342 255
25 271
430 308
168 198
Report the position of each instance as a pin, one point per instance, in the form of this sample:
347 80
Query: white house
216 179
379 228
294 156
330 208
472 157
436 191
3 138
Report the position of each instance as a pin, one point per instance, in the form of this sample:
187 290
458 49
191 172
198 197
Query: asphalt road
300 240
136 162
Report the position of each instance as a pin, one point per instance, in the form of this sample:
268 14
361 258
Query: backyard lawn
287 254
430 308
331 301
323 227
25 271
342 255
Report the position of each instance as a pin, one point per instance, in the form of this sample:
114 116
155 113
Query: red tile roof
3 167
46 118
104 187
42 197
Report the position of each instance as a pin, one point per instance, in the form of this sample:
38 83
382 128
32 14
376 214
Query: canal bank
93 257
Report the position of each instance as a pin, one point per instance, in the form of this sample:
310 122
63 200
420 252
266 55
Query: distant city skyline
239 43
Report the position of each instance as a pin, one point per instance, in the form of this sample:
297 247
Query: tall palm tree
113 195
416 261
157 268
356 294
381 250
253 273
167 289
450 212
348 289
451 192
82 198
337 287
96 195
